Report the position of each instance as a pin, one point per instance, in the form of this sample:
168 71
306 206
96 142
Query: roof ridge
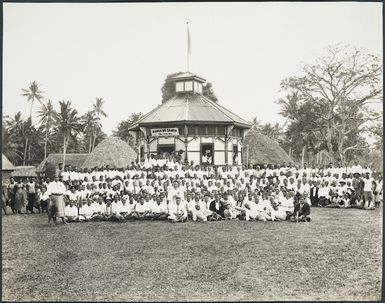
151 111
208 100
220 107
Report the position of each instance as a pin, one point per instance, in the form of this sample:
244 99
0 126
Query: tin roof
188 75
191 108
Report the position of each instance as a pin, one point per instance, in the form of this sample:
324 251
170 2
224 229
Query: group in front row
164 189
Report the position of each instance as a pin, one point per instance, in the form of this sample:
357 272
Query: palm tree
33 93
89 124
98 111
19 131
46 115
67 123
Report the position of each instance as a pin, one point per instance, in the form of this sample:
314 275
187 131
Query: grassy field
338 256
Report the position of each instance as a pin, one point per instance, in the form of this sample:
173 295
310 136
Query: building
6 169
113 152
200 129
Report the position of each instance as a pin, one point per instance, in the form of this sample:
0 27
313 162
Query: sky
122 52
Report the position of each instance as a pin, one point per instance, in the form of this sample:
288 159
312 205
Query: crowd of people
163 188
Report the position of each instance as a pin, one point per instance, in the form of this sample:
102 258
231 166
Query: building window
211 130
198 87
188 86
191 131
179 87
221 130
201 130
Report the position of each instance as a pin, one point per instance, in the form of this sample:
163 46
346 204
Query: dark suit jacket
221 208
305 209
314 195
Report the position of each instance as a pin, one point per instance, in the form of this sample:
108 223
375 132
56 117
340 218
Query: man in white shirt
56 189
177 211
368 195
71 212
86 210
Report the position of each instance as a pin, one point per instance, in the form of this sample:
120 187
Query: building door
166 148
207 154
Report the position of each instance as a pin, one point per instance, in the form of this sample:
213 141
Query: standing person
378 191
11 194
19 197
31 197
56 190
368 196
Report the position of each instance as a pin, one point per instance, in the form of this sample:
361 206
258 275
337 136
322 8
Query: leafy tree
122 129
67 124
330 102
33 93
46 115
98 111
90 123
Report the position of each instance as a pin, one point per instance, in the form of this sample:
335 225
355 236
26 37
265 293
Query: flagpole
188 47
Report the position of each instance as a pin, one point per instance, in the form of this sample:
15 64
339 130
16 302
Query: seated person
86 210
99 210
177 211
71 212
217 209
199 210
141 209
301 211
159 210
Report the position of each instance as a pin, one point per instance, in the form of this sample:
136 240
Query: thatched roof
24 171
263 150
6 164
111 151
71 159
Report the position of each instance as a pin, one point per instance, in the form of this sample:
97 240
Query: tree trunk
93 141
90 145
30 111
25 151
64 150
303 155
45 146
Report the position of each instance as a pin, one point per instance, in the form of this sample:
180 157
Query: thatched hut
74 160
6 169
263 150
113 152
24 172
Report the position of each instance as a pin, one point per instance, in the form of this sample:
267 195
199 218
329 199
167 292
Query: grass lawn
338 256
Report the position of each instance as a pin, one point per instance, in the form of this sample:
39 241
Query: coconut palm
98 112
19 132
46 115
33 93
89 123
67 124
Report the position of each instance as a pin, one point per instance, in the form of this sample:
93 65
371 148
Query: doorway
207 153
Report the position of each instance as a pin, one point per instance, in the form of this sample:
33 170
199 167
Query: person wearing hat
56 190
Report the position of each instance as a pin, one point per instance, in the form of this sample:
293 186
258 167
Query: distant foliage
122 129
